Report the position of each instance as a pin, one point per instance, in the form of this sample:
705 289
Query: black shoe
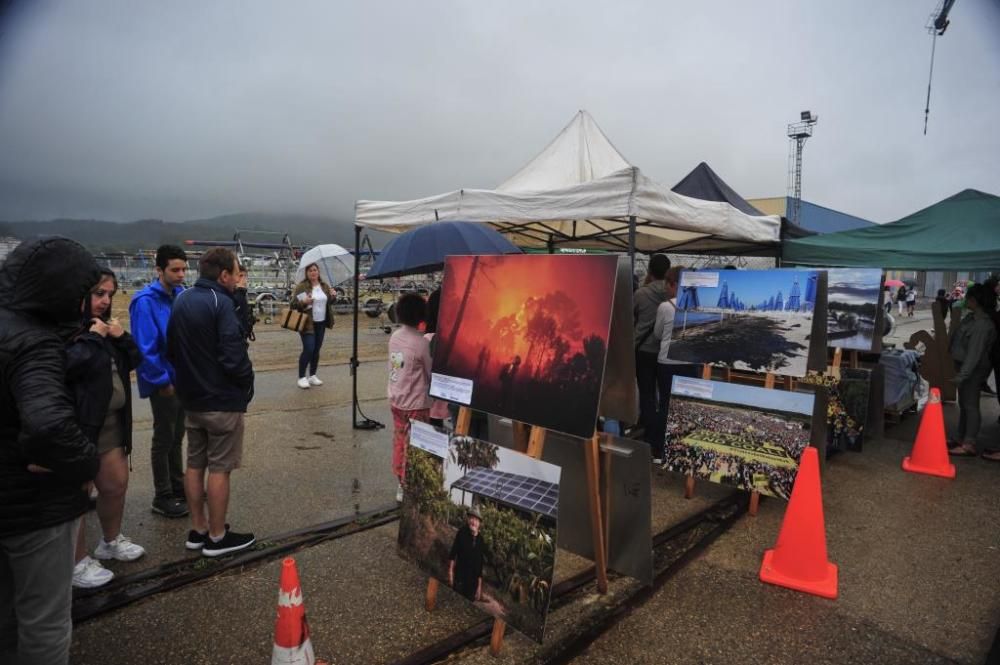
170 507
231 542
197 540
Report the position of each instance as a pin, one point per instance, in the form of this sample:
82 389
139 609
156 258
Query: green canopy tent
961 232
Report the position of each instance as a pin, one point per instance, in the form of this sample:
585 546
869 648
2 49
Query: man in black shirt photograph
465 561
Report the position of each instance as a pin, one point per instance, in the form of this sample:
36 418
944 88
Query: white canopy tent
578 192
581 192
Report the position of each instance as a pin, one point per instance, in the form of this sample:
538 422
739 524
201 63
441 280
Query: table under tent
580 192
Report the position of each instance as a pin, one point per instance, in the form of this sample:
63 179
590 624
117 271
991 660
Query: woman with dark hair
313 296
971 344
409 378
99 358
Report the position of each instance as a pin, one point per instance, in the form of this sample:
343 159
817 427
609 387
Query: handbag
293 319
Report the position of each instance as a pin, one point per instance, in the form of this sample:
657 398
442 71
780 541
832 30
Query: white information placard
708 280
451 388
426 437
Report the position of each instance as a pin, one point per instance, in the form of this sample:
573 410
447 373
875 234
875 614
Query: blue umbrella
423 249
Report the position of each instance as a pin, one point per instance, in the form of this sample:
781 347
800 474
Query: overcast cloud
177 110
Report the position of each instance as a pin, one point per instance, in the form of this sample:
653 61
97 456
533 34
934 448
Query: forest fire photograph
526 337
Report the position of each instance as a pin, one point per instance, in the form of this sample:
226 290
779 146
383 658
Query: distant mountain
102 236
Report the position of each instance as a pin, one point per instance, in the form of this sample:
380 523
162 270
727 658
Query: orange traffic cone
291 631
798 560
930 451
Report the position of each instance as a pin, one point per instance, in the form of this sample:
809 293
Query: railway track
673 548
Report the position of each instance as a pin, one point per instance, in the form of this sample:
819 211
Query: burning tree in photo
531 333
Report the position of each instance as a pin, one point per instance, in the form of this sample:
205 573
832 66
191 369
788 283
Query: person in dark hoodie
99 358
149 314
647 347
214 379
46 461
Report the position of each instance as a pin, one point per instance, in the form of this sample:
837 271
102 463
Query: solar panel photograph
483 521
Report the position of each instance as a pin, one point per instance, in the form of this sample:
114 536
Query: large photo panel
526 337
483 520
751 320
748 437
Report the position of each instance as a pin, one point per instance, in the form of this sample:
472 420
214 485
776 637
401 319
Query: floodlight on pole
798 132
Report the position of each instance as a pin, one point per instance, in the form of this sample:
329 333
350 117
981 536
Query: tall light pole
798 132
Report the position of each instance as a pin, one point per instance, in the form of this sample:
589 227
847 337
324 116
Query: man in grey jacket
644 303
970 348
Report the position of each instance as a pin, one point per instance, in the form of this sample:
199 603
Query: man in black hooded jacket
45 460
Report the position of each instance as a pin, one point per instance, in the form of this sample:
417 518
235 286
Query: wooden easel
530 440
853 361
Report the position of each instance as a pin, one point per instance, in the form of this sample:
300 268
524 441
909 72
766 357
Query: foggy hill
103 236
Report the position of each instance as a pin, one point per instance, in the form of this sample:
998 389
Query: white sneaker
303 383
121 548
399 494
90 574
314 381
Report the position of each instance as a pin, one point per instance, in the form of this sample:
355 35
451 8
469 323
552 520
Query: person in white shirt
312 295
667 369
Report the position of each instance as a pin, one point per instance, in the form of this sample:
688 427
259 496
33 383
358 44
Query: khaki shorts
215 440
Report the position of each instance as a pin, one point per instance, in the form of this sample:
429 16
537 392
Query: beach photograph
751 320
747 437
527 335
854 308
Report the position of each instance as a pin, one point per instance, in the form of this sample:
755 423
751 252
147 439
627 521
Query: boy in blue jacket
149 312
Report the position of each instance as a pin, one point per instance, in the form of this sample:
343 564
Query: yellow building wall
772 206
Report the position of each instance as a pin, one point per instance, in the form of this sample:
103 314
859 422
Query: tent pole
366 423
631 241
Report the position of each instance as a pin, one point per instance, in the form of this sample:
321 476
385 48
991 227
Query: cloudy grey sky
184 109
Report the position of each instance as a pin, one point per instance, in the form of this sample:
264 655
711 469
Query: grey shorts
215 440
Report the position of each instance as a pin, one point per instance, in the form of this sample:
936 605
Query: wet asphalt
917 555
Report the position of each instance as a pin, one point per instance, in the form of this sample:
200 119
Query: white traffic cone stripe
300 655
291 599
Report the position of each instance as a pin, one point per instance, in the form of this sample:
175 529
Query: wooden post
855 359
430 599
706 372
838 358
689 487
462 424
591 451
536 442
606 501
754 503
496 639
521 432
769 381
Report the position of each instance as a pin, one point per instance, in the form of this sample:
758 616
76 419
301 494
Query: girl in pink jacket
409 377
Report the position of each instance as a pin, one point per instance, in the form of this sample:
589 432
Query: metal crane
936 25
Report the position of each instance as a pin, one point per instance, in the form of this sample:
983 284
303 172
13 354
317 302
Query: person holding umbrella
313 296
